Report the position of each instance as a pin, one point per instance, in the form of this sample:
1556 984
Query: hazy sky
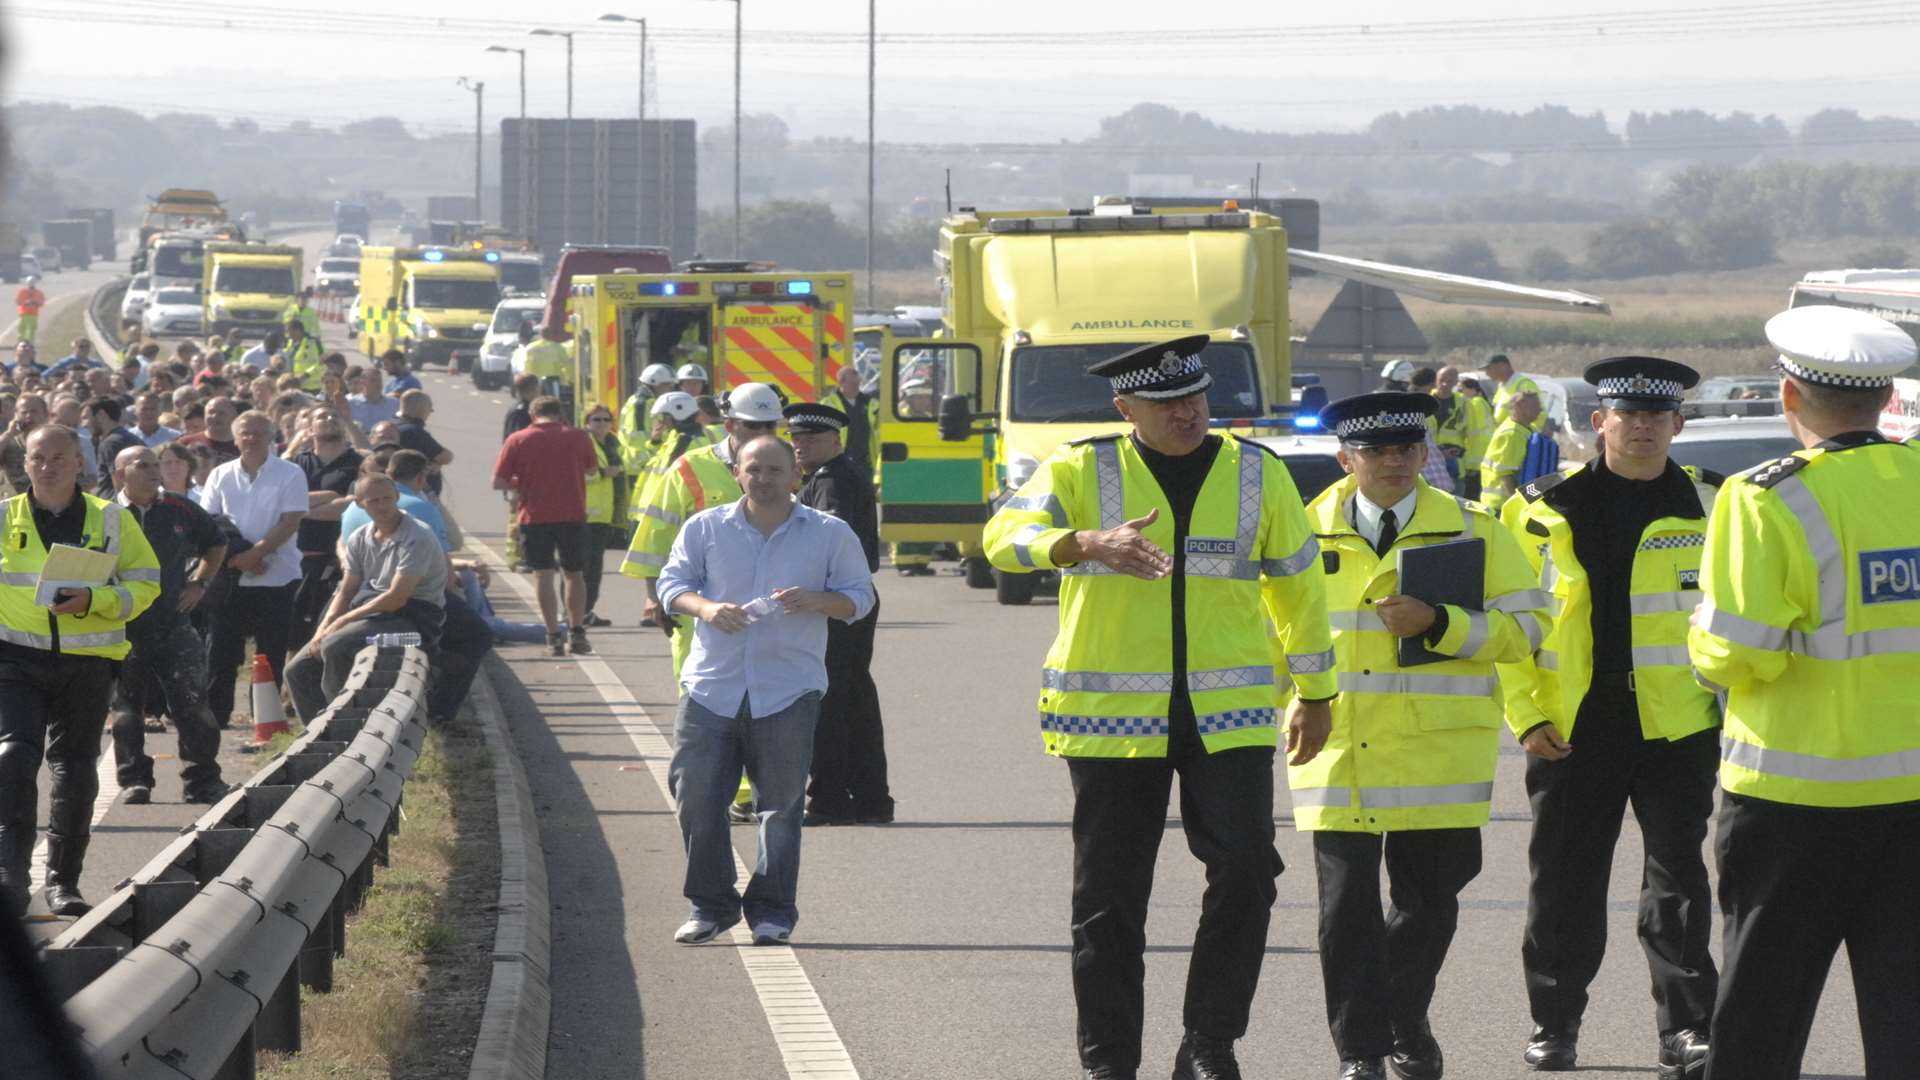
985 69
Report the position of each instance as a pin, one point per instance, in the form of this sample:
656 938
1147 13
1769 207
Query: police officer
1507 451
1610 715
302 353
1408 770
1812 625
166 650
57 663
1507 385
1174 545
301 310
849 782
541 356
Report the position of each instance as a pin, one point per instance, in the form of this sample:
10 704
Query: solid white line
809 1044
103 802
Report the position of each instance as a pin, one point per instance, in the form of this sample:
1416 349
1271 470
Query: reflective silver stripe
1395 798
1477 630
1744 631
137 575
1834 643
12 577
1664 603
1152 682
1548 575
1364 619
21 637
641 558
1547 660
666 516
110 527
1111 492
1048 502
1312 663
1230 678
1530 626
1293 563
91 641
126 601
1323 796
1403 683
1822 544
1241 566
1709 684
1523 600
1646 656
1794 765
1023 544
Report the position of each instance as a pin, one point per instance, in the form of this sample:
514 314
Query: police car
1733 444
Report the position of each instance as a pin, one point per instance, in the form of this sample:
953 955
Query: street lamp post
566 140
736 124
525 186
479 94
523 73
640 132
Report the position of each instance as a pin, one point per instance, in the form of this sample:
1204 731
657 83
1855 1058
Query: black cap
1391 418
808 416
1163 372
1496 358
1640 383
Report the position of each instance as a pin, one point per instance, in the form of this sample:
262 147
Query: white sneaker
771 933
698 931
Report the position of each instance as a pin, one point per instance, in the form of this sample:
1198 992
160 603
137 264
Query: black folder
1451 573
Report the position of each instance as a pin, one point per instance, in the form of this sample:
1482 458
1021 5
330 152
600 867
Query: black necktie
1389 532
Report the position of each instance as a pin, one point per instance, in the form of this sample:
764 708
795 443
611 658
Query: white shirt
255 504
1366 516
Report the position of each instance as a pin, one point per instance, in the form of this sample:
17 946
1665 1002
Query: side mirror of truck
956 417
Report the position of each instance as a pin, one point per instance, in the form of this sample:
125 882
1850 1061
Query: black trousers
173 665
261 612
464 643
849 746
1119 816
53 708
319 576
1578 805
1379 971
1796 883
599 539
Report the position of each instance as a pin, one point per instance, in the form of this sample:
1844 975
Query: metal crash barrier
196 962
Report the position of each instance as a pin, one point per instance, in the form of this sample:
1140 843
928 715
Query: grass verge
407 996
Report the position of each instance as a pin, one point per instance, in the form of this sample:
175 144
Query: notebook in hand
1451 573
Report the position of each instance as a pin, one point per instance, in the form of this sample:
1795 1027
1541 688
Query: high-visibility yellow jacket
308 316
1503 397
599 490
1663 590
547 359
1451 431
701 478
1413 748
1108 681
1479 431
1812 625
634 420
1506 454
303 360
102 630
656 460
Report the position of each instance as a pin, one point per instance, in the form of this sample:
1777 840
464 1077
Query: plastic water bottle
760 608
389 641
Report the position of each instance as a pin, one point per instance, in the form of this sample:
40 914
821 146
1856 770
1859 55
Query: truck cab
246 288
435 304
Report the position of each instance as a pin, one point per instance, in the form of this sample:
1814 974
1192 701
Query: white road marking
103 802
809 1044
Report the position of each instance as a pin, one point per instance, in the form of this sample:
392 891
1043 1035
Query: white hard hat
754 402
918 382
1397 371
33 279
691 371
677 404
656 373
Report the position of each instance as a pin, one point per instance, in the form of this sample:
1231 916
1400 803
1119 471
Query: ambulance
434 304
245 288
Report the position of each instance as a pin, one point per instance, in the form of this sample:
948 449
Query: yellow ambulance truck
435 304
244 288
742 322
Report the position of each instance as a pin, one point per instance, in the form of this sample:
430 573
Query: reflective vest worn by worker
1108 680
1503 397
1479 430
1451 429
28 300
547 359
701 478
1812 625
102 630
599 489
308 316
1663 589
658 459
1413 748
1506 453
303 359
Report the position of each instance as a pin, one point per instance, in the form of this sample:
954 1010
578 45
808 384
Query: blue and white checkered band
1171 367
1822 378
1361 425
1639 386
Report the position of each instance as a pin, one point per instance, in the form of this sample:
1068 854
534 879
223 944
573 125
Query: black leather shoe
1552 1049
1203 1057
65 855
1416 1053
1683 1055
205 794
1361 1069
1107 1072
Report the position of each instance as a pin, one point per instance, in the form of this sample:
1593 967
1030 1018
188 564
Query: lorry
245 289
434 304
173 260
73 237
13 244
743 322
175 209
352 216
104 245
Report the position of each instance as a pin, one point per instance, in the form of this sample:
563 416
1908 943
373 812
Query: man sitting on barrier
394 582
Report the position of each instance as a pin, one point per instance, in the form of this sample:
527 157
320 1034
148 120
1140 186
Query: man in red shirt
544 469
218 435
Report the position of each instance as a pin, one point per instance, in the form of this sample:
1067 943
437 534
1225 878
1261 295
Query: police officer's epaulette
1771 473
1090 439
1532 490
1709 477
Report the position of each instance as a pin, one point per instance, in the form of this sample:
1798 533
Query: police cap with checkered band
1388 418
1163 372
1835 346
1640 383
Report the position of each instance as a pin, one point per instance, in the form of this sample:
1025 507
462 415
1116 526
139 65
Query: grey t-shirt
412 551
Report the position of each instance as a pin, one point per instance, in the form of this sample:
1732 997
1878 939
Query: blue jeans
511 632
709 750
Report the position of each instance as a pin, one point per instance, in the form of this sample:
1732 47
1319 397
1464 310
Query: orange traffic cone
269 716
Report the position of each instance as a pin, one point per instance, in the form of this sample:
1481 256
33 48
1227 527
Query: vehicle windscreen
1313 473
340 266
466 294
508 320
1729 456
1050 383
521 276
176 260
277 280
140 283
167 297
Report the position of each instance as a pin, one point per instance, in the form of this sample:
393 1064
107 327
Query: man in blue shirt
762 575
81 357
399 378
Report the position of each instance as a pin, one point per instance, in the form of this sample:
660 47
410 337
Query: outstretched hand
1125 550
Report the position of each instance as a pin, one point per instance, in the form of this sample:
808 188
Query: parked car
49 259
494 369
1734 395
337 275
1733 444
172 312
134 303
1580 399
1310 458
346 245
30 267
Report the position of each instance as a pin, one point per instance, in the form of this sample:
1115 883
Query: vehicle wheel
980 573
1014 590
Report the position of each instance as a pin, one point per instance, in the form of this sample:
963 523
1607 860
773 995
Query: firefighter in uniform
57 664
655 379
1812 626
676 430
1507 452
1609 714
1176 549
1408 770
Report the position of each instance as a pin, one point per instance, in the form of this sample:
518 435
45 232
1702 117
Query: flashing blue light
493 256
799 288
659 288
433 256
669 289
1307 422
